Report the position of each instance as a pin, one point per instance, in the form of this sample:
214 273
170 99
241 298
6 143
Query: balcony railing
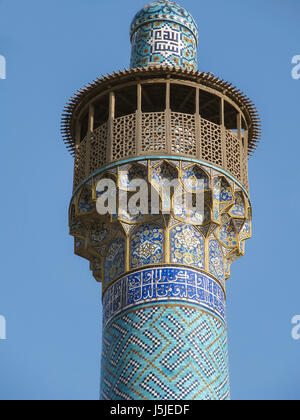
162 133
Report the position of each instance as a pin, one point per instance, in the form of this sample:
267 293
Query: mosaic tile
99 235
161 284
86 204
114 261
216 261
246 231
187 246
222 190
163 33
228 234
165 352
130 173
239 208
147 246
78 243
194 176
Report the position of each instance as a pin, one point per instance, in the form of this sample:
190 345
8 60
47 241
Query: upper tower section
164 33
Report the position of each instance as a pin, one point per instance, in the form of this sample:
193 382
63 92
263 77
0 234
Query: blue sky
51 302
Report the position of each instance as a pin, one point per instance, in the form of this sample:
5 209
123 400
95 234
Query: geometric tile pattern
161 285
164 10
163 33
165 352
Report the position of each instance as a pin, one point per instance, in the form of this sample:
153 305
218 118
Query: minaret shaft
163 272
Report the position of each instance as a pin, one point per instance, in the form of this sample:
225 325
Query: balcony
165 133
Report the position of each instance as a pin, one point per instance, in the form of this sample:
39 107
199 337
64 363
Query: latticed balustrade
161 133
161 112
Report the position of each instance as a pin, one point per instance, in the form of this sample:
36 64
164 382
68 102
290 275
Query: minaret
163 275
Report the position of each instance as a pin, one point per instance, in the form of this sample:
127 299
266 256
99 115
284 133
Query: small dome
167 11
163 33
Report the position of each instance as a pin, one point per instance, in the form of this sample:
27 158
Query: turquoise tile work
165 337
165 352
164 33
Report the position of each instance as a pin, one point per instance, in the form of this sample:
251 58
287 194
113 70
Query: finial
164 33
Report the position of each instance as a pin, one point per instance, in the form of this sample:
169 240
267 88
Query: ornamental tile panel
187 246
164 284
